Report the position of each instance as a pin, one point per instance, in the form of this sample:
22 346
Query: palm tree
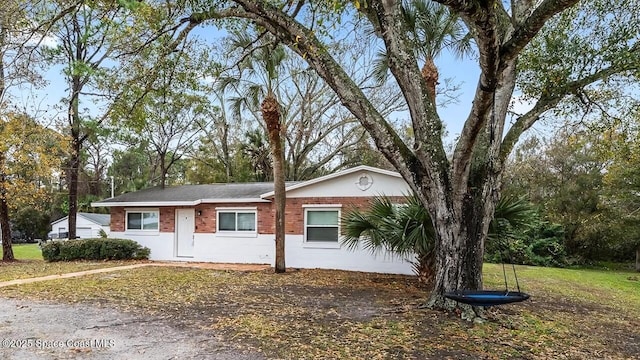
261 66
432 28
406 229
270 109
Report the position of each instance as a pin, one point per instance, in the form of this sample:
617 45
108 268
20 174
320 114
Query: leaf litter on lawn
324 314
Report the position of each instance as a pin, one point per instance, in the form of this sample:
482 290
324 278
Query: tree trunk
460 235
271 115
76 148
3 37
638 259
5 224
163 170
7 249
74 171
459 253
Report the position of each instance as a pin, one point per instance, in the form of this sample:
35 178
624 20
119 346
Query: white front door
185 226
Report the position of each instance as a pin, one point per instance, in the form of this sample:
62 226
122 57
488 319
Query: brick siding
205 214
117 219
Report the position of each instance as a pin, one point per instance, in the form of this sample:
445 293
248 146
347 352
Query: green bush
50 250
94 249
542 244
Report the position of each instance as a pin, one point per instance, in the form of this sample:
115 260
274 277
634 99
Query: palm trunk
426 268
430 75
271 114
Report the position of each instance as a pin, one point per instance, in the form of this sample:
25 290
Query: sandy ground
49 331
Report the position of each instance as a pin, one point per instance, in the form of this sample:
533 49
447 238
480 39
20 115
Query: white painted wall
261 250
330 256
162 245
346 186
84 228
224 249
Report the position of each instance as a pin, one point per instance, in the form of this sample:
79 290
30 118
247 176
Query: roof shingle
186 193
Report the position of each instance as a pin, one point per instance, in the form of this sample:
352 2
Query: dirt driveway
41 330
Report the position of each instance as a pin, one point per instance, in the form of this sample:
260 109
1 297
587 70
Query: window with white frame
143 220
321 225
238 221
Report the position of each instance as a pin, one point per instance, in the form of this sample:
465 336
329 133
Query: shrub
51 250
542 244
94 249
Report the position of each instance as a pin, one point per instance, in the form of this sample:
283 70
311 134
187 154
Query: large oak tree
460 191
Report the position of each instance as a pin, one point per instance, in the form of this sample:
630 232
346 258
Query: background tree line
146 105
137 115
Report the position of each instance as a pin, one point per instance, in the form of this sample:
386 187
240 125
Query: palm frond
401 228
381 66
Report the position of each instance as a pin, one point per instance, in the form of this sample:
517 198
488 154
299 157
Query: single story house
234 223
88 225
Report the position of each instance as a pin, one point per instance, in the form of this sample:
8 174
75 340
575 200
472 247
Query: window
143 220
321 225
237 221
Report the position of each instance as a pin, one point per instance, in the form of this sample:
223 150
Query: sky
463 73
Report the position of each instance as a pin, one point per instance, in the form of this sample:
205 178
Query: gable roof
191 195
98 219
352 170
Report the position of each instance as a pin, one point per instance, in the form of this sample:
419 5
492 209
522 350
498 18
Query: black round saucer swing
490 297
487 297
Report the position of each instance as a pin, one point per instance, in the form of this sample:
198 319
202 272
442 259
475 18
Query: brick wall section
117 219
168 219
206 221
294 212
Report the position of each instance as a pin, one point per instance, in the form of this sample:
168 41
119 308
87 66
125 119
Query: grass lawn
27 252
35 268
322 314
30 264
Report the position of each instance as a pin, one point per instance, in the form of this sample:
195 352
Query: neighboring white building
234 223
88 225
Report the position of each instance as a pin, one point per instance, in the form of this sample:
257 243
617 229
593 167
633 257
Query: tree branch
482 19
545 103
388 15
531 26
303 41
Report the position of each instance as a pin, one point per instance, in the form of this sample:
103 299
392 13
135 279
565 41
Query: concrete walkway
210 266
